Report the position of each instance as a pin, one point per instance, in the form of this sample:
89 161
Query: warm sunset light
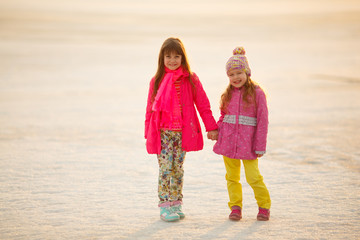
74 82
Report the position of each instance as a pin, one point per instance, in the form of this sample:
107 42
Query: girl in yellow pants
242 134
253 178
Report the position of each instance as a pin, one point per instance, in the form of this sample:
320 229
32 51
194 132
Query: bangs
173 48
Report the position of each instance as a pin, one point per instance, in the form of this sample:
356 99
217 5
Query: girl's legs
171 171
232 176
255 180
177 173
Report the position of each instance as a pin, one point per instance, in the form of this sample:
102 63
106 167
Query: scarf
166 100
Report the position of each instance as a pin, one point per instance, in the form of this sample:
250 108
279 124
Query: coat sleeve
148 107
203 105
221 118
262 122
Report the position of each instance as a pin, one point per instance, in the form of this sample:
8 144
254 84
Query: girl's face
172 60
237 77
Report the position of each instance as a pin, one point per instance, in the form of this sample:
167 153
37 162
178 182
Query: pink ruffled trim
169 204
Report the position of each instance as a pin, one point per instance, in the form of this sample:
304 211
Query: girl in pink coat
172 127
243 127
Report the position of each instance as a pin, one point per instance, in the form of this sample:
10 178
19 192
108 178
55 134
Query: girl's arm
221 118
214 135
203 105
148 107
262 123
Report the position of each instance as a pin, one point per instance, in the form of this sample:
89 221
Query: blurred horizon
62 60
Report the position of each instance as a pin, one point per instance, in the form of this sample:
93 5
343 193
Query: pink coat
243 130
192 139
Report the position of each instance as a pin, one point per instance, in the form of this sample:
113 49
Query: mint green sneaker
167 214
178 210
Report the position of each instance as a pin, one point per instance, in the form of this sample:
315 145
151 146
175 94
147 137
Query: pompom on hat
238 61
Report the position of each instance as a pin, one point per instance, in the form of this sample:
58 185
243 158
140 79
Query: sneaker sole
235 218
261 218
170 220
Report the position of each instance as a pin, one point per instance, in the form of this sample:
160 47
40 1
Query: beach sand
74 77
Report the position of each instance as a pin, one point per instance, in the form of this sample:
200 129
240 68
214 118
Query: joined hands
213 135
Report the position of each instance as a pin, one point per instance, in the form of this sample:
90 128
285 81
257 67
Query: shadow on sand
151 229
243 232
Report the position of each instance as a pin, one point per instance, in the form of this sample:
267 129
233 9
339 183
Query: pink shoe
235 214
264 214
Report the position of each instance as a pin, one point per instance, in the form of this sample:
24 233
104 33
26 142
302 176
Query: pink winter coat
192 139
243 129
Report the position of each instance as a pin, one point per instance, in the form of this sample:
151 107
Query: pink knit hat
238 61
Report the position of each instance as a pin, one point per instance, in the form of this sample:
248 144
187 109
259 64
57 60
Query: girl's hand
210 136
259 155
213 135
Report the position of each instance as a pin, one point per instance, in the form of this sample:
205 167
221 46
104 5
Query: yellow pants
253 178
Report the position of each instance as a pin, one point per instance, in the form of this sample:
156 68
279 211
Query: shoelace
176 209
168 210
235 211
263 211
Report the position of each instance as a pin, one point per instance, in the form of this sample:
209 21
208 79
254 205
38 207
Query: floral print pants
171 170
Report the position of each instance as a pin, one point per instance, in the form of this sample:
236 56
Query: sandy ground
73 82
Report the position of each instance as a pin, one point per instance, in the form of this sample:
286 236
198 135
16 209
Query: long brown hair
249 96
170 45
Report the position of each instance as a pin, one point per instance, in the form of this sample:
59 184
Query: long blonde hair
170 45
249 96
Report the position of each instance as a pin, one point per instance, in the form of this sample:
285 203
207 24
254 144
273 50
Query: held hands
213 135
